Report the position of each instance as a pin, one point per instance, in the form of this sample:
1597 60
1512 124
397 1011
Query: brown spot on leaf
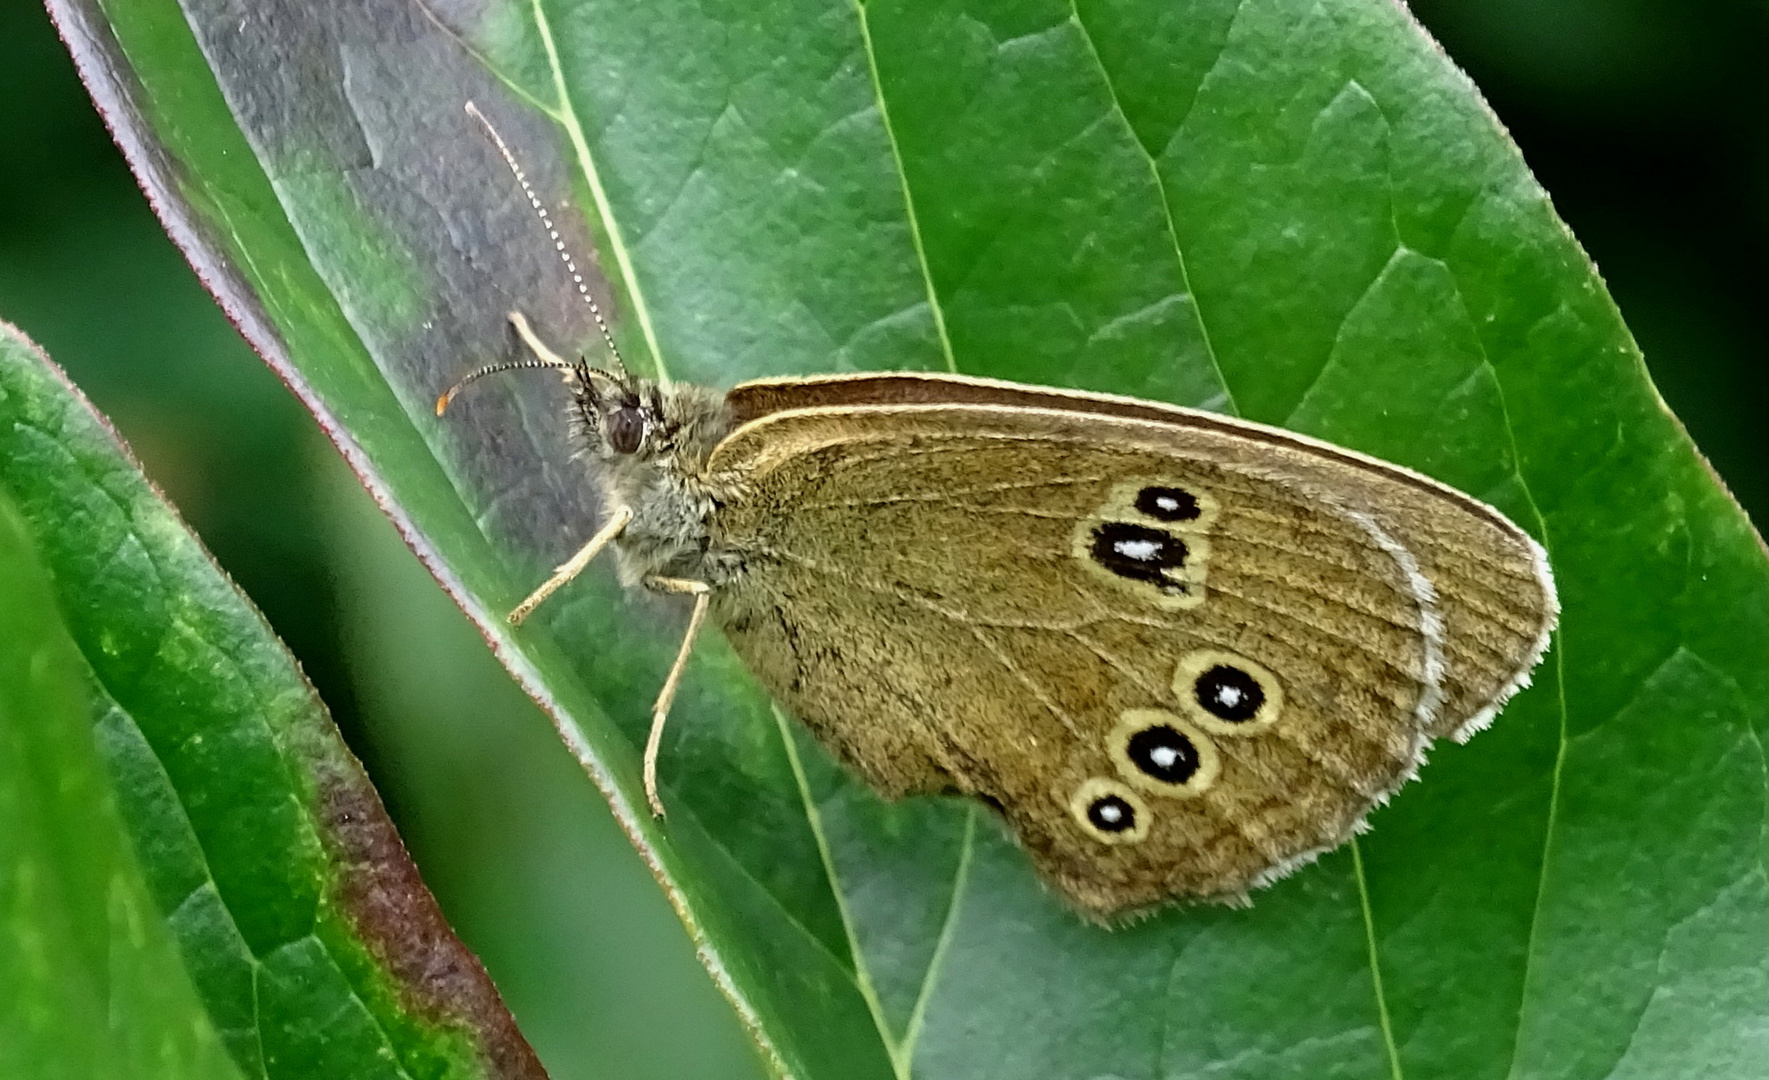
385 898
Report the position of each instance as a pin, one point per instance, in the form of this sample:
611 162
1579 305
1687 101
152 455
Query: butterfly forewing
1176 659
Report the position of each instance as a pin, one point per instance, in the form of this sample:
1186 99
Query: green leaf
1294 211
528 865
90 984
299 921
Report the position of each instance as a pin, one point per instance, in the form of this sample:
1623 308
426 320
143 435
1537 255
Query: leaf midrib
1185 277
580 148
884 115
123 504
901 1051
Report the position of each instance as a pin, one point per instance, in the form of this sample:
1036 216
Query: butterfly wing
1179 654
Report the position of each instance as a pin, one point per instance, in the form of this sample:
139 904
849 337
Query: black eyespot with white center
1138 552
1111 814
1226 694
626 429
1168 504
1159 752
1163 753
1229 693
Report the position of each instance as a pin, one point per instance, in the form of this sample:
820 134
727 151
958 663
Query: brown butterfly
1179 653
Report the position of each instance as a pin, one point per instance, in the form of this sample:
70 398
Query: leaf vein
960 881
862 975
580 147
1160 182
884 116
1387 1024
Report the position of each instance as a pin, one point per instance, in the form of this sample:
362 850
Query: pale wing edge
1481 720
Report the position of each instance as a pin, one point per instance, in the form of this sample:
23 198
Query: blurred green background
1643 118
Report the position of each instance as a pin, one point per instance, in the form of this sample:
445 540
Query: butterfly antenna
540 209
448 395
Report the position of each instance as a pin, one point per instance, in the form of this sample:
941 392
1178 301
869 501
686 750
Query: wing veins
969 508
1113 662
1025 680
1503 615
940 496
1436 536
966 442
1065 626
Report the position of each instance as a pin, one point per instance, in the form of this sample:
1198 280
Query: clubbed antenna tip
475 375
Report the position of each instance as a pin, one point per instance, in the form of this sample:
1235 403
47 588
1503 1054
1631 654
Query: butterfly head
638 425
649 443
617 417
650 440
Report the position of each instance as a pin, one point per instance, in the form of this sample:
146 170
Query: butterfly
1180 654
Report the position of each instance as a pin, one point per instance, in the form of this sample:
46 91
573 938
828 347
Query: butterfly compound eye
626 429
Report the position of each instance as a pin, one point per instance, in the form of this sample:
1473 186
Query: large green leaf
299 920
90 985
1296 211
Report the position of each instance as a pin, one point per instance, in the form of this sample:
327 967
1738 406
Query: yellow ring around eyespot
1095 788
1194 664
1132 721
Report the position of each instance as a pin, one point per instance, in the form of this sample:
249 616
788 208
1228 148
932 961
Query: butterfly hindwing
1176 666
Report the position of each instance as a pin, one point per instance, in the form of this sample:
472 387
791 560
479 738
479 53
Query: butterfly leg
533 341
661 710
573 566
